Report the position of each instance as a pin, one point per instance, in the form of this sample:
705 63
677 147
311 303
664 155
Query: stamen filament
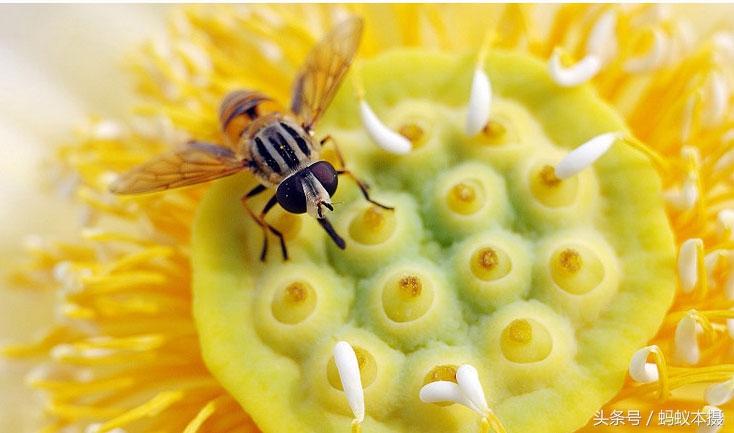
661 163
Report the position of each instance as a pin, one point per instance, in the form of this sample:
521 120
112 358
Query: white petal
641 370
585 155
688 264
686 339
480 102
583 71
380 134
348 367
468 380
720 393
730 326
602 40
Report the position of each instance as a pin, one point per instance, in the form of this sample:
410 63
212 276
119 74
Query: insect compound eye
326 175
290 195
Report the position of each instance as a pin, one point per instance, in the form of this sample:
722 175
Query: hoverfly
276 145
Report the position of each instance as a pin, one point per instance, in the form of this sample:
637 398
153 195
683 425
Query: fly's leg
343 170
260 220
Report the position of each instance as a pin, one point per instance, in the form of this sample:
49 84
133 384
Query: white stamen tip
348 368
467 391
108 130
96 427
641 370
686 339
688 264
480 102
387 139
468 380
585 155
684 198
720 393
602 40
581 72
443 391
725 221
653 58
714 420
717 99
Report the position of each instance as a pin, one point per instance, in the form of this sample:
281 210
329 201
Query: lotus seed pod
546 287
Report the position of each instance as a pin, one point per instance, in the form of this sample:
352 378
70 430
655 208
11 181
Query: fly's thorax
240 108
278 147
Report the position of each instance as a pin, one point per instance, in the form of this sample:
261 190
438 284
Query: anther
480 102
480 99
348 367
579 73
686 338
384 137
602 40
646 372
688 260
467 391
720 393
642 371
714 420
717 98
468 379
585 155
725 222
653 58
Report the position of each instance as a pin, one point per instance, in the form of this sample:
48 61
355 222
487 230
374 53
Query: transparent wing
322 73
189 164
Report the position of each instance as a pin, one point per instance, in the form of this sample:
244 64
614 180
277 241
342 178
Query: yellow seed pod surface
487 259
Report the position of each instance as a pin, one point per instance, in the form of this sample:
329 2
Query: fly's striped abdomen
240 108
278 149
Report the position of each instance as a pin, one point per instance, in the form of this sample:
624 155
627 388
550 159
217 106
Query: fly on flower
275 144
